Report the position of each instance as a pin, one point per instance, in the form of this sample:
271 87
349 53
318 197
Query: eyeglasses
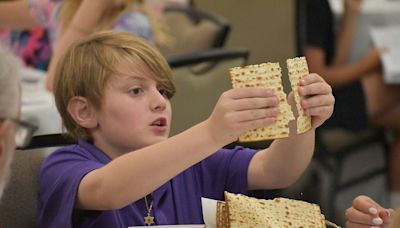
23 132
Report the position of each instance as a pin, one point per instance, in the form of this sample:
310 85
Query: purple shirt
178 201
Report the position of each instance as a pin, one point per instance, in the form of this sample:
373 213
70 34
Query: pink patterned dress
34 45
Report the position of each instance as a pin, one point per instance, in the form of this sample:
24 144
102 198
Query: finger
367 205
255 103
310 79
319 111
255 114
253 124
386 215
316 101
314 89
358 217
240 93
356 225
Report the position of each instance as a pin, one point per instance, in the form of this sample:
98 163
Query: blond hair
87 65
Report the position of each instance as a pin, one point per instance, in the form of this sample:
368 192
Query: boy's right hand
242 109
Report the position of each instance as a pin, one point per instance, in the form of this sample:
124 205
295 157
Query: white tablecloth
375 13
38 105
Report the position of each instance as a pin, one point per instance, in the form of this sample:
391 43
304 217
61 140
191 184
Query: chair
19 202
198 90
18 206
338 146
193 30
49 140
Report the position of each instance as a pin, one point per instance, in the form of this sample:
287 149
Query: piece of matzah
265 75
297 68
244 211
222 216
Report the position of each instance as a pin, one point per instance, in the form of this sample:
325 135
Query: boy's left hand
317 99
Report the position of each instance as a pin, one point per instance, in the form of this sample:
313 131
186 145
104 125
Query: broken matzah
297 68
265 75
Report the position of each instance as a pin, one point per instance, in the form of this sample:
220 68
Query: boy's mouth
161 122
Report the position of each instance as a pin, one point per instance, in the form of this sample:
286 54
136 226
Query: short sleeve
43 10
226 170
135 23
60 176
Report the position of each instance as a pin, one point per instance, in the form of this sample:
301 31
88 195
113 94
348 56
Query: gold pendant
149 220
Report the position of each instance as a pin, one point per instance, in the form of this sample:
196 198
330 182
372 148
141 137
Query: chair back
18 205
193 30
198 91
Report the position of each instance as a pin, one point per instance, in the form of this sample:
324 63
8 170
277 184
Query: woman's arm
346 31
286 159
339 75
84 22
15 15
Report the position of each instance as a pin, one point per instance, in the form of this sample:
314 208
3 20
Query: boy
112 91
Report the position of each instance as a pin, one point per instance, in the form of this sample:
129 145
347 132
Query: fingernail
300 90
387 213
377 221
373 210
375 227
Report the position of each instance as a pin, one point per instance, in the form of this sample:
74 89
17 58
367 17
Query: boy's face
134 113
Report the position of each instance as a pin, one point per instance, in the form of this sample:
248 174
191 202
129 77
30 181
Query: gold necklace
148 220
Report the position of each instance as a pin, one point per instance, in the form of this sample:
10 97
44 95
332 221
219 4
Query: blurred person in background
362 97
31 45
67 21
9 112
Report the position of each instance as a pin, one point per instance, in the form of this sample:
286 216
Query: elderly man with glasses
12 131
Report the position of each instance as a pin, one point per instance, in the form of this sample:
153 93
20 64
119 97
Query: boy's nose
158 102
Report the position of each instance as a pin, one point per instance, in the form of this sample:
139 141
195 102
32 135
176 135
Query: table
38 106
375 14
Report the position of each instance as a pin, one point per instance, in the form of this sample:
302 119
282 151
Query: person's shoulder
73 160
74 151
228 154
235 149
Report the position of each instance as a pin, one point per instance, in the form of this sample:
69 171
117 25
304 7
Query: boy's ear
82 112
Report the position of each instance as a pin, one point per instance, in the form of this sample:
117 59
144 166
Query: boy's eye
164 92
136 91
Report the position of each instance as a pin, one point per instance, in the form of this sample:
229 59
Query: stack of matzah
269 75
243 211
